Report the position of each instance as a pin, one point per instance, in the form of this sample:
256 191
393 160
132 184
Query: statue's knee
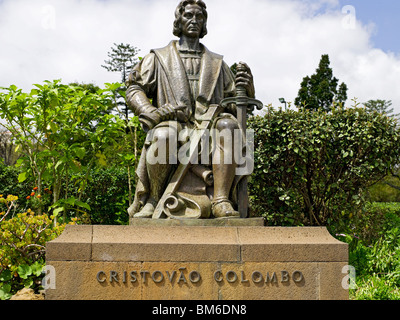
227 124
164 135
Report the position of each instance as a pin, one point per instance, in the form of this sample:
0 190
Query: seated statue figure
177 88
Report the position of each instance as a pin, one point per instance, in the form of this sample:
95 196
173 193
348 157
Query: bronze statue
177 89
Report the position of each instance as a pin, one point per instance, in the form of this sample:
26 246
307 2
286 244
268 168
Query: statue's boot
224 171
222 209
146 212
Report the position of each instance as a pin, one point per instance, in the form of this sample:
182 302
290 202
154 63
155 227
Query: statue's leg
158 167
224 168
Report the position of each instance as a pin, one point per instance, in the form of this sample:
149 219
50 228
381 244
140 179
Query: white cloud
282 41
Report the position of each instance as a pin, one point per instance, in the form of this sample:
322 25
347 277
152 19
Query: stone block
196 263
127 243
74 244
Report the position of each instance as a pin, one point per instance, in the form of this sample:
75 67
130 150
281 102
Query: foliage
321 89
22 237
62 131
375 253
381 106
9 184
311 167
123 59
387 190
107 195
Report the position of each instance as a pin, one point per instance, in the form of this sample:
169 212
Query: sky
281 40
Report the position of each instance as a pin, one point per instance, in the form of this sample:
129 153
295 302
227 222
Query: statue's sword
244 105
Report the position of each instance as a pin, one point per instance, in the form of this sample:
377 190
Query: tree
381 106
61 132
320 91
123 59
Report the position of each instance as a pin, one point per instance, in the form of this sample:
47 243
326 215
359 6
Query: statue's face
192 21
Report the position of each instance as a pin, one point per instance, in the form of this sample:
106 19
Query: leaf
71 201
5 292
82 205
102 159
19 163
5 276
22 177
39 86
37 268
80 152
53 127
56 211
58 164
28 283
24 271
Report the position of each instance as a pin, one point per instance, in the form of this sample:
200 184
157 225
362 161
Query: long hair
178 16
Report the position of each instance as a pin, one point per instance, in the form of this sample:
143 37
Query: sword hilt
241 99
250 103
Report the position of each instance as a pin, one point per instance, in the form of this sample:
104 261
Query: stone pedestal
152 262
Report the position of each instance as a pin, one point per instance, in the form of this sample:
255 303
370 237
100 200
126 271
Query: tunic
162 76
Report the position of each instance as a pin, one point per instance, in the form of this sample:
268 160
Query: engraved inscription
183 276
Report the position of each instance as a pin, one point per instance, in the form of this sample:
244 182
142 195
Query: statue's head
180 12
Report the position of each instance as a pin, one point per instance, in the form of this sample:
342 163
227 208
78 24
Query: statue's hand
169 112
244 78
166 113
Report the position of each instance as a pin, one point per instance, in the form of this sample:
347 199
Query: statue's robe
161 75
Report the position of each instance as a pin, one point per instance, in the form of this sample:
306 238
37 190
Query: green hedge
312 168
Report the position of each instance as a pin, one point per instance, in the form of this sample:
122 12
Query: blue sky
385 15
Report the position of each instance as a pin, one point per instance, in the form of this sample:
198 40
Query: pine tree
381 106
122 59
321 89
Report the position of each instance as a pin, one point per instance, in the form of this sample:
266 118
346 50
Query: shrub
23 237
311 168
375 253
9 184
107 195
376 288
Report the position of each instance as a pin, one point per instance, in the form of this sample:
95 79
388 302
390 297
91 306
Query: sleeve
142 85
229 81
